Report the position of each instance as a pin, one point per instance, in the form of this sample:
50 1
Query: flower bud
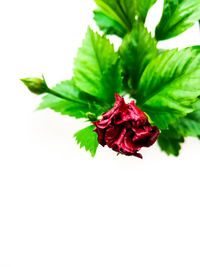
35 85
126 129
91 116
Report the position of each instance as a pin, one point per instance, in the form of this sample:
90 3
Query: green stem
52 92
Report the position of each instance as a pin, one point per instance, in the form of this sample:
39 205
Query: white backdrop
60 207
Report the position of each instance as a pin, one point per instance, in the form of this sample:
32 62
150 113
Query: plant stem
52 92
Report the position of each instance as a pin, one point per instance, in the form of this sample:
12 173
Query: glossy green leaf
143 7
170 144
178 16
138 48
170 85
69 90
95 62
88 139
170 140
123 12
67 99
70 108
108 25
189 125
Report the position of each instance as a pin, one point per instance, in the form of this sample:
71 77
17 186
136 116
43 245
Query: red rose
125 129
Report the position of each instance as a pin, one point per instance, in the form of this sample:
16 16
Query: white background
58 206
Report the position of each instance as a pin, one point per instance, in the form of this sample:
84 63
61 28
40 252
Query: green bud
91 116
36 85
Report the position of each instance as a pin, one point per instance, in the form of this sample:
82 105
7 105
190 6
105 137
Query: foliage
164 83
87 138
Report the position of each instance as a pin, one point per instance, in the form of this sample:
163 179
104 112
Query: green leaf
70 91
197 48
170 85
95 62
108 25
170 140
143 7
70 108
170 144
88 139
67 99
123 12
178 16
189 125
138 48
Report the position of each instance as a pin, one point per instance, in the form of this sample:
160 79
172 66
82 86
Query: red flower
125 129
